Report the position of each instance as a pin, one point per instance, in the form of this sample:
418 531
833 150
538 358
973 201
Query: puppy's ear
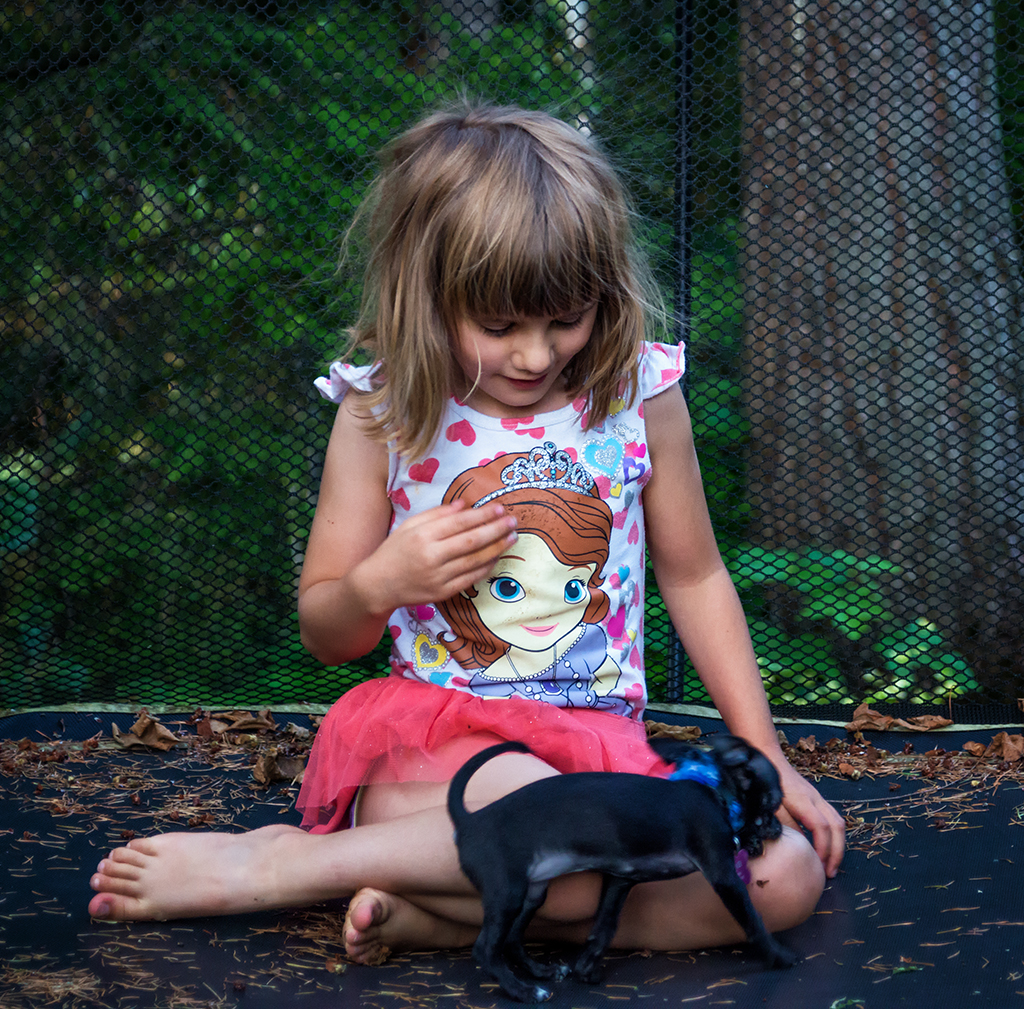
731 751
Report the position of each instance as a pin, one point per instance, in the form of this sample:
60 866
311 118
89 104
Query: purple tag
742 869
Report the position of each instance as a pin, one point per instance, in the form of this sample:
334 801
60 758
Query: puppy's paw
587 971
778 956
521 990
537 993
547 971
592 976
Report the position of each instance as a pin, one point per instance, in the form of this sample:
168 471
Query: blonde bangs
516 253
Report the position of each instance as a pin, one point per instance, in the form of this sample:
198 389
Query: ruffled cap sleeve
661 366
341 377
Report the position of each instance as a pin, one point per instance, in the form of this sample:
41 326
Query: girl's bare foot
378 923
185 875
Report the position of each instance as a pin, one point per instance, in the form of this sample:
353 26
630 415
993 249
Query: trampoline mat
928 903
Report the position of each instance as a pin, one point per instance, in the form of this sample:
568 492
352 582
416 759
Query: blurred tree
883 336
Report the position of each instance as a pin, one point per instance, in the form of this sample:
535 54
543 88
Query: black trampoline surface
928 907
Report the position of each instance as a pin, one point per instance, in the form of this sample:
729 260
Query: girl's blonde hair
493 212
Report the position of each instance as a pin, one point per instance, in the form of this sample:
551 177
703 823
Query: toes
102 906
111 868
116 907
367 912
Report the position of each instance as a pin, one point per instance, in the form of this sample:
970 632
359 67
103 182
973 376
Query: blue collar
704 771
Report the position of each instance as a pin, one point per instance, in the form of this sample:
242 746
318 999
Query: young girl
488 490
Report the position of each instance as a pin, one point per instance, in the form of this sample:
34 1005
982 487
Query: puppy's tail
457 789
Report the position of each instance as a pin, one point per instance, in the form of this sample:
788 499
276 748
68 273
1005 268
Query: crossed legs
400 868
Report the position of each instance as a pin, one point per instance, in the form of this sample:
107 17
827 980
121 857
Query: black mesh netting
830 193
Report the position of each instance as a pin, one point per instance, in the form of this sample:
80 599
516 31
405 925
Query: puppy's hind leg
614 891
501 940
535 897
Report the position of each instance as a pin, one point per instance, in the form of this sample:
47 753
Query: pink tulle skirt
394 729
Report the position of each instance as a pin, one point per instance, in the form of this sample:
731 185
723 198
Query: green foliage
919 666
813 608
18 506
173 202
836 586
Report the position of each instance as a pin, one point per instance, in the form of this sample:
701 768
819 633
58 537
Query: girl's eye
570 323
575 591
496 330
506 590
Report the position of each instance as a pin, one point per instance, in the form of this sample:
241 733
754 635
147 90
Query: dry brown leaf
1006 747
242 721
807 743
661 730
865 718
273 766
146 731
928 722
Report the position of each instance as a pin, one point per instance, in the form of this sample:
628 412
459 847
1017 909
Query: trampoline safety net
830 194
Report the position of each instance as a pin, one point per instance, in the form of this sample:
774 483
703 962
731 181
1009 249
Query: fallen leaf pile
865 719
855 757
844 758
223 738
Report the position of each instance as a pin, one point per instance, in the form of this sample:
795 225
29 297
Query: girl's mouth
539 632
526 383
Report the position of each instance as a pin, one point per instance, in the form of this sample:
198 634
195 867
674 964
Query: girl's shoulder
661 366
343 376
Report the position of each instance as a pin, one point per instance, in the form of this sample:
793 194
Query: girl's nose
532 350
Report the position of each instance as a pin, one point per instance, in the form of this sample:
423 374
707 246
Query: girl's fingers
467 521
804 807
444 550
468 569
470 535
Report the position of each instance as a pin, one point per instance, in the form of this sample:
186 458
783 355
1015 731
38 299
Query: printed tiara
545 468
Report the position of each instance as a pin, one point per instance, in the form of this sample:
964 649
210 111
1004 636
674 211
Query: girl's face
531 599
514 366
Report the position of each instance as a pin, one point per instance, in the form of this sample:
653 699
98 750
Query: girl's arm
355 575
706 611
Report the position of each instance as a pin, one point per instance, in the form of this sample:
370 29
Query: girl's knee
572 899
789 881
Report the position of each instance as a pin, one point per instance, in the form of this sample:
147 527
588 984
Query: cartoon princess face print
532 600
528 619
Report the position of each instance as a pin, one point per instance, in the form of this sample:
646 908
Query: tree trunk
883 339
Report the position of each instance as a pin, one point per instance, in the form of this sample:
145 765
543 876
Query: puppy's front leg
614 891
735 897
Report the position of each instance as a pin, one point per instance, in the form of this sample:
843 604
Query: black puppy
718 807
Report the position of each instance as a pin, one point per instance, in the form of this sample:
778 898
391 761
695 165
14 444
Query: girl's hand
355 575
434 555
804 808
